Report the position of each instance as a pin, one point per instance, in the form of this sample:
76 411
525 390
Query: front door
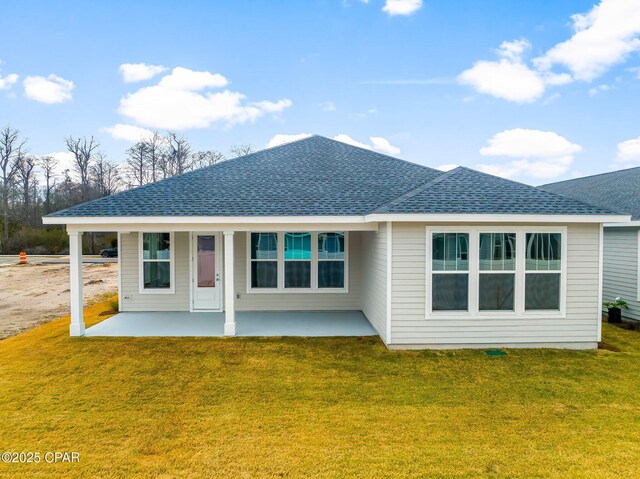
206 271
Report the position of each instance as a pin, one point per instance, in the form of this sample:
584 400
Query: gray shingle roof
618 191
463 190
311 177
322 177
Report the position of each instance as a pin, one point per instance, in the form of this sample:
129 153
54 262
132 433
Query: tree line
32 186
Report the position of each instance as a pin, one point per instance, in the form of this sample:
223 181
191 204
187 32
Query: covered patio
248 323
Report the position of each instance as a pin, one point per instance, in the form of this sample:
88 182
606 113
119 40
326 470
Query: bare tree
155 151
178 153
136 168
105 176
48 165
10 149
82 151
241 150
26 164
200 159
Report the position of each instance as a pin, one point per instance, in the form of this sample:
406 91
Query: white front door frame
193 271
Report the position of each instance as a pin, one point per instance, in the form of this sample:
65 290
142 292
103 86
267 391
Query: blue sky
526 89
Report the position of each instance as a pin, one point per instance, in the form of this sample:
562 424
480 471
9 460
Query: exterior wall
131 299
297 301
374 278
621 268
409 328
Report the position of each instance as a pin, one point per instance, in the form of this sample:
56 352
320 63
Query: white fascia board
622 225
497 218
221 220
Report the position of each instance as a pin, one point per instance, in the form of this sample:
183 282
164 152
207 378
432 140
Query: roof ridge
368 150
408 194
604 173
536 188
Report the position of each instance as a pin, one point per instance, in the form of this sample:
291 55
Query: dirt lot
34 294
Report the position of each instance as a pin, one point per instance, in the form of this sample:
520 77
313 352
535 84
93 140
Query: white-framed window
157 265
297 262
495 271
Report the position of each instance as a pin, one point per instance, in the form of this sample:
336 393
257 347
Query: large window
477 271
330 260
497 272
543 266
297 262
450 280
156 255
264 260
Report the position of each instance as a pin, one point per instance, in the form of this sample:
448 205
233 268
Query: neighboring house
617 191
433 259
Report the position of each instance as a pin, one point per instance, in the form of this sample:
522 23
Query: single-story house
430 259
617 191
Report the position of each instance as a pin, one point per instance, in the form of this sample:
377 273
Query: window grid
142 261
520 272
314 267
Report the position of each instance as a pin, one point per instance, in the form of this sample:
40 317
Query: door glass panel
206 261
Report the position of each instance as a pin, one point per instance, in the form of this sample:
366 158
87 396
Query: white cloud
182 100
273 107
508 78
382 145
447 167
52 89
6 82
281 139
135 72
628 153
328 106
189 80
66 161
603 37
378 143
401 7
131 133
598 89
540 154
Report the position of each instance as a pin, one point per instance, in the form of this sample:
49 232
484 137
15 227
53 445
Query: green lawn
315 408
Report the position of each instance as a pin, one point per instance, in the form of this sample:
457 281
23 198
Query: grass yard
317 407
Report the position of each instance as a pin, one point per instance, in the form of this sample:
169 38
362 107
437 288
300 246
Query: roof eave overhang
123 221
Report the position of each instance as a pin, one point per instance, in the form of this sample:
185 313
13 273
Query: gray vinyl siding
318 301
620 273
132 300
409 326
374 278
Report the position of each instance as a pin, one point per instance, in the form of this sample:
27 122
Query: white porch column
229 288
75 262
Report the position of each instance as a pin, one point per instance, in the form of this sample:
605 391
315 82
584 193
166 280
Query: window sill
298 291
157 291
488 315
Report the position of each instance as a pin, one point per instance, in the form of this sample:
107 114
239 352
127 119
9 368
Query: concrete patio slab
248 323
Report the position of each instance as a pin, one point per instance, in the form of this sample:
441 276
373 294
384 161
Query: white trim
389 278
622 225
313 289
76 328
119 236
496 218
229 289
218 272
172 265
600 280
111 222
473 311
638 271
